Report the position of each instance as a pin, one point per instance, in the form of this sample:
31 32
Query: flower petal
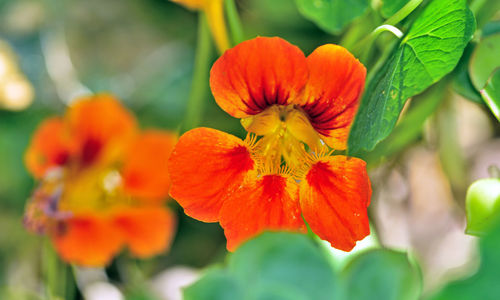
205 165
102 127
49 147
146 230
334 198
266 203
145 171
256 74
191 4
87 240
332 94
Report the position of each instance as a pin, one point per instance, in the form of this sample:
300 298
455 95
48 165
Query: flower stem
199 84
233 19
214 11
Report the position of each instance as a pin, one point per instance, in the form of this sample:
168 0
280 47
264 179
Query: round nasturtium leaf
482 205
382 274
484 60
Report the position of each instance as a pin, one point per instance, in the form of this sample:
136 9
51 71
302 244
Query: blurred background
143 51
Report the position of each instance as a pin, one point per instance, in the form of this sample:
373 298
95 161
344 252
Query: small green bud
482 205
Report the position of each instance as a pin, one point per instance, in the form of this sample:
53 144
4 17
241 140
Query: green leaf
430 50
287 260
216 284
332 15
410 128
491 93
285 266
484 10
482 205
382 274
390 7
484 60
461 79
484 284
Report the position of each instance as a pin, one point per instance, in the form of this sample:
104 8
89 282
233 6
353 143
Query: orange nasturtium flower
296 110
102 183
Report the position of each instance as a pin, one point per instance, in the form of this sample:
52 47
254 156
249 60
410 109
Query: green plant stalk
364 46
476 5
199 84
403 12
57 275
358 31
450 152
234 22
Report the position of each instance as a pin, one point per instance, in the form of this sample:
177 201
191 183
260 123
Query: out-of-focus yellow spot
16 92
7 64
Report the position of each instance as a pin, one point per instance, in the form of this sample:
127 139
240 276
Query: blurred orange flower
102 183
297 110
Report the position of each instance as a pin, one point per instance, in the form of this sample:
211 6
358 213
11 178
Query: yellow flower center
284 131
93 190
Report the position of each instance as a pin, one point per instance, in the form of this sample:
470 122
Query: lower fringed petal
334 198
205 166
266 203
87 241
146 231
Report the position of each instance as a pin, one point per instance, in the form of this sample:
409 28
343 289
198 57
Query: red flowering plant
102 183
298 112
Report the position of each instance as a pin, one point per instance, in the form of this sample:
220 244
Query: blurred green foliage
292 267
143 51
332 15
484 283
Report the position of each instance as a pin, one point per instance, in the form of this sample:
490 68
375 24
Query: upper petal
331 96
334 197
49 147
256 74
102 127
87 240
266 203
145 169
146 230
204 166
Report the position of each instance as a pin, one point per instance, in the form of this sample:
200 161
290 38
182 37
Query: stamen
112 181
251 140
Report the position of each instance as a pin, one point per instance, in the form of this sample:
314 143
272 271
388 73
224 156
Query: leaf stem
403 12
476 5
234 22
199 84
